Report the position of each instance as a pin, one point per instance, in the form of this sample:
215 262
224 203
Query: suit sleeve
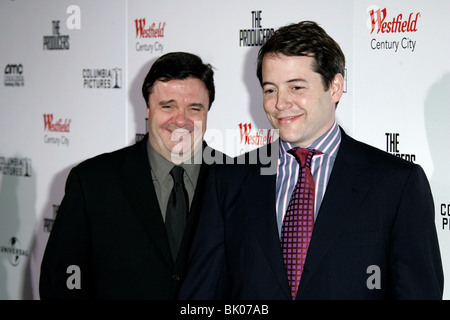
68 245
206 277
415 257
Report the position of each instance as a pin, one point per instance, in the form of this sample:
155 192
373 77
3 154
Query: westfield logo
150 31
398 24
260 137
56 126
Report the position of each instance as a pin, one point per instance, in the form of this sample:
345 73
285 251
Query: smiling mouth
179 131
288 119
179 134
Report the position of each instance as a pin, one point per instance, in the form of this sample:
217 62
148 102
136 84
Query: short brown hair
306 38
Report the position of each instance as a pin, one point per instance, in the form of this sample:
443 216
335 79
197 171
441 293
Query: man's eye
196 109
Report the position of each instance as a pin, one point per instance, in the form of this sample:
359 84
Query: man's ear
337 87
148 112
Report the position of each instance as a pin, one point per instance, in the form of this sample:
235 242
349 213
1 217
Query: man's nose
283 101
180 118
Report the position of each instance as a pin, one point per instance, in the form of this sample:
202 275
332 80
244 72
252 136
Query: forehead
189 87
282 65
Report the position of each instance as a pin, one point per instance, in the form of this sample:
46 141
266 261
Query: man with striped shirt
353 223
321 167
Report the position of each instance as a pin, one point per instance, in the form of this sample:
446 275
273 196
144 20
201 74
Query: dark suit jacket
109 224
377 211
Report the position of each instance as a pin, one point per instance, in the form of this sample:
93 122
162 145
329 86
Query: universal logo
56 41
102 78
150 34
14 251
14 166
14 75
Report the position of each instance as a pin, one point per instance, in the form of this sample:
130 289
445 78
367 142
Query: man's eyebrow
297 80
267 83
164 102
194 104
289 81
197 104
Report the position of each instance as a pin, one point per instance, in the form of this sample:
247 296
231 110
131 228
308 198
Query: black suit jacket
374 237
109 224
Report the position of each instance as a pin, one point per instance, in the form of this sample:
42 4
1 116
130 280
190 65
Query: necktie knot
303 155
177 174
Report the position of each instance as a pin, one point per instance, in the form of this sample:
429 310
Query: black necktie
177 209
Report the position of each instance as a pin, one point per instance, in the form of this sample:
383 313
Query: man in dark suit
113 237
372 234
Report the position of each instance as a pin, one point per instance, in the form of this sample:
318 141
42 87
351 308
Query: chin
289 137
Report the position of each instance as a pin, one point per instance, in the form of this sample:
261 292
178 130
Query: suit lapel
138 188
259 194
192 217
196 201
345 191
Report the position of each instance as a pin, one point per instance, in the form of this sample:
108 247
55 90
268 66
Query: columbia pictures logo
102 78
15 166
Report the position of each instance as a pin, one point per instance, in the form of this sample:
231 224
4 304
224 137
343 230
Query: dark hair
306 38
179 66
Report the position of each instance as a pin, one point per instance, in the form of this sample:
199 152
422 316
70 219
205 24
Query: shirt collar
161 166
328 143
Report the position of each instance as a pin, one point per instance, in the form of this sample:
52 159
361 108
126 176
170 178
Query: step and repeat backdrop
71 89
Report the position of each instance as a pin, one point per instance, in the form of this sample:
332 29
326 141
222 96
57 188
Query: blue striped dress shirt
321 166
